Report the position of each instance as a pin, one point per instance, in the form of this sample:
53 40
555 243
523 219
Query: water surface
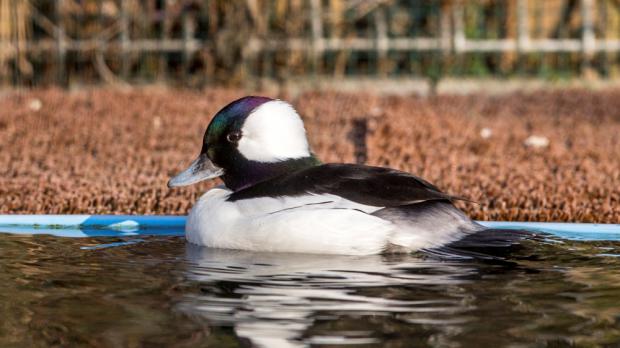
160 291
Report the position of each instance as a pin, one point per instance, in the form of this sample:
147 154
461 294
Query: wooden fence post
382 40
523 27
523 34
588 39
318 43
459 40
445 42
165 28
61 45
125 63
603 19
188 36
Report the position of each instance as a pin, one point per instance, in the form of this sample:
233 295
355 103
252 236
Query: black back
374 186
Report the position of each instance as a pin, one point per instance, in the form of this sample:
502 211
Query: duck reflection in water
281 299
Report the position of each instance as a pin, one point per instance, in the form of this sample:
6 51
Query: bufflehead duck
278 197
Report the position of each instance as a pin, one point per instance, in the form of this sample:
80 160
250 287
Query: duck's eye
233 137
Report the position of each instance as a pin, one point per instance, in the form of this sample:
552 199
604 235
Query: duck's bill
201 169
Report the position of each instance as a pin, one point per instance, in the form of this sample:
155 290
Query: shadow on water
161 291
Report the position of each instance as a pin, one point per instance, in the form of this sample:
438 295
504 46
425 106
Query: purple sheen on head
244 106
233 115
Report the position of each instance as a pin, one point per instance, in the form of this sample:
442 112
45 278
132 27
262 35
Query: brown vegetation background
239 43
103 151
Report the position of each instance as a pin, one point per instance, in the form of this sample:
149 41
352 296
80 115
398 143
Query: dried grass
111 152
14 31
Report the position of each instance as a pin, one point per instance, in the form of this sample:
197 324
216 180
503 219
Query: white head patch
273 132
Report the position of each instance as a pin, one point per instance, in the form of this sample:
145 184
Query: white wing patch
273 132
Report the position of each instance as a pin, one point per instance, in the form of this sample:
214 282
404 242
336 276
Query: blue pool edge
131 225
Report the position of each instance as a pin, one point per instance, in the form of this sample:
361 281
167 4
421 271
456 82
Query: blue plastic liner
79 226
133 225
572 231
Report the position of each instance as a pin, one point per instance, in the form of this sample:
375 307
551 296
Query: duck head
250 140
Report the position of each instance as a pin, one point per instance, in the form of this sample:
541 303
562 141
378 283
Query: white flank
317 224
273 132
430 229
288 224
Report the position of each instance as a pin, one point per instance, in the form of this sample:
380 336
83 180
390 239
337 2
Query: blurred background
252 42
514 104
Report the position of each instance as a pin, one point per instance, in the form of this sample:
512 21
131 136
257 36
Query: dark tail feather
491 244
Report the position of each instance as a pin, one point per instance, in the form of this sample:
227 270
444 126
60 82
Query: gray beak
201 169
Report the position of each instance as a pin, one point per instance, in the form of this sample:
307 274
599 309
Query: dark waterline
160 291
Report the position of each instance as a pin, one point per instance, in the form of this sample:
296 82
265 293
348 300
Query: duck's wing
372 186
